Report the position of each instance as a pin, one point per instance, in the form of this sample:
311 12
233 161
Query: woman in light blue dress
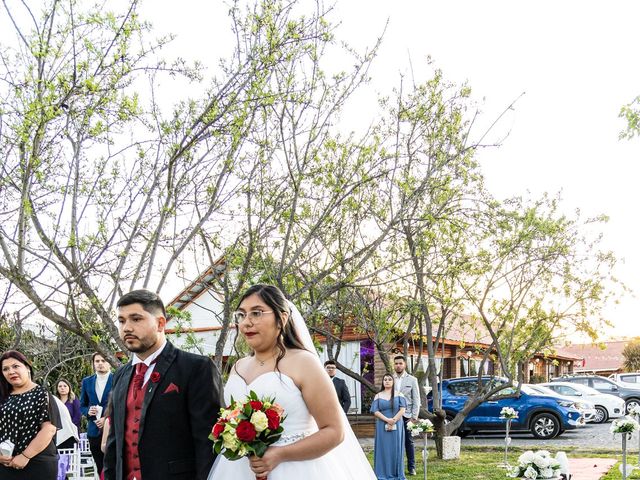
388 454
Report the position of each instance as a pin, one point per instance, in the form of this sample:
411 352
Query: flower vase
625 469
425 454
507 441
638 418
624 456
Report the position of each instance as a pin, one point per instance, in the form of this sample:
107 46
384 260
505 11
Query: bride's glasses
253 315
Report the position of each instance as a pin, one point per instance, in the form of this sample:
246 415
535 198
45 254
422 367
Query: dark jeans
96 452
408 446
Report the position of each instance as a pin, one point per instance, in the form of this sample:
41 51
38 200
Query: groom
165 401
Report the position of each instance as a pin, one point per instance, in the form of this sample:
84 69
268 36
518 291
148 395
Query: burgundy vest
132 427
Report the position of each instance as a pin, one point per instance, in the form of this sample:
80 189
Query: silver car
607 405
587 409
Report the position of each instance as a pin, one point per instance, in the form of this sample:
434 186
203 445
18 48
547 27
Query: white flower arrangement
423 425
624 425
508 413
634 410
536 465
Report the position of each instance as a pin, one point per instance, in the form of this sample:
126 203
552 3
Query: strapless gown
345 462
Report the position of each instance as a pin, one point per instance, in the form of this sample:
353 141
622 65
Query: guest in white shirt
93 400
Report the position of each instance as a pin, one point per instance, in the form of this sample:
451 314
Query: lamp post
469 353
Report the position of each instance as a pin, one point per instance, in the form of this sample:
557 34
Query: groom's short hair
149 301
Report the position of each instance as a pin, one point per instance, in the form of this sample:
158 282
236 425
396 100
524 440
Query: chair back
69 462
83 446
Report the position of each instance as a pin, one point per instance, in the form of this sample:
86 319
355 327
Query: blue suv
544 416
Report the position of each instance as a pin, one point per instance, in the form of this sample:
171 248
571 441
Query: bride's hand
263 466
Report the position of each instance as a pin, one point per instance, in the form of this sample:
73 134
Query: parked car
630 394
607 405
630 377
586 408
544 416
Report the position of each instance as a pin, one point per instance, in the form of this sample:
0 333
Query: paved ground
590 468
591 436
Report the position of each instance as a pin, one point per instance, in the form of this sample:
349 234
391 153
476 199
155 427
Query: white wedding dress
345 462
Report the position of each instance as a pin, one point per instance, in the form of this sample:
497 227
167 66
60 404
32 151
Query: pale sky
577 62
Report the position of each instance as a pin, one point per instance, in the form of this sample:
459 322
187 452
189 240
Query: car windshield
584 389
529 390
539 389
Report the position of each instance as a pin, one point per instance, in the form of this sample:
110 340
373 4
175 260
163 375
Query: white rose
541 462
229 441
259 420
531 473
526 457
546 473
243 452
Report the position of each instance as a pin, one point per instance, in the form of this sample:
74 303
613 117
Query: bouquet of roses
247 428
536 465
508 413
634 410
624 425
423 425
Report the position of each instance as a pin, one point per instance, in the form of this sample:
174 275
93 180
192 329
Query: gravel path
589 437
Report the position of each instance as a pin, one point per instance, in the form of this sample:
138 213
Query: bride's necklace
262 362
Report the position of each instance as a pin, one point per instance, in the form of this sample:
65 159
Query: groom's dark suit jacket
178 413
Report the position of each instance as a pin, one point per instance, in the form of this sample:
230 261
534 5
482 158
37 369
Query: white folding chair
73 468
88 468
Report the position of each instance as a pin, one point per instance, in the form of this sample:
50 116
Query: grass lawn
481 464
614 473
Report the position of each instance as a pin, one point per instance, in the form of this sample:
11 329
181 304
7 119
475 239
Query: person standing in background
66 395
407 385
344 397
388 407
93 400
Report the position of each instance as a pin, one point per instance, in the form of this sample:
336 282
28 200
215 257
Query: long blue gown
388 455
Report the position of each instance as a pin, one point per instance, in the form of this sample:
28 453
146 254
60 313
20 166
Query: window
581 380
629 378
463 388
504 393
602 384
564 390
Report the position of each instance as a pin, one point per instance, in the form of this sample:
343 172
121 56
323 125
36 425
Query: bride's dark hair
275 299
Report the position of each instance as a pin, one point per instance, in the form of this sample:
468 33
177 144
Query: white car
607 406
631 377
587 409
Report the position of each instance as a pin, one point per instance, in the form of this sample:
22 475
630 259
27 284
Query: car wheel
601 414
545 426
632 402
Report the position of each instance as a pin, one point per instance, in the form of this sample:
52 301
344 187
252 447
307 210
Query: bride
317 442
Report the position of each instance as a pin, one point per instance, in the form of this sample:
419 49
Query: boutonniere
155 377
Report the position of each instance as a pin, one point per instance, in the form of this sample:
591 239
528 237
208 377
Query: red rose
218 428
256 405
273 418
245 431
155 377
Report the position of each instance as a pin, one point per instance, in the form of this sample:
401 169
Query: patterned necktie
138 378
